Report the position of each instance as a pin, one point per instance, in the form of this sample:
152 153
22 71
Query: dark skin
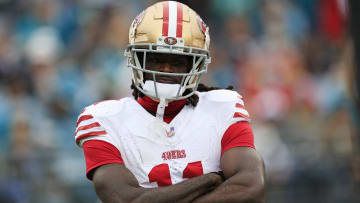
169 63
245 178
115 183
242 167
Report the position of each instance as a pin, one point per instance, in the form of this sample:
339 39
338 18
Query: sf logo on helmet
170 40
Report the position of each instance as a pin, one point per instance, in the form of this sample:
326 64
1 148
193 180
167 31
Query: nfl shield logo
171 132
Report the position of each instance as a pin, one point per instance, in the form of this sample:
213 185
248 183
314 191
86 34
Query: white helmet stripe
172 19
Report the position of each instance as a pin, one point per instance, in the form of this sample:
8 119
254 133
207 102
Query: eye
176 63
179 63
153 60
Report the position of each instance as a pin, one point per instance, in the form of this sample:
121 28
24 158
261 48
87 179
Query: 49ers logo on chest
173 154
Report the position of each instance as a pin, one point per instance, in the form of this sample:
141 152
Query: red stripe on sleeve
240 115
98 153
165 27
83 118
85 127
238 105
179 26
237 135
89 134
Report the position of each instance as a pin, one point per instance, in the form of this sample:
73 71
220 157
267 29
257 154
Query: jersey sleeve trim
83 118
240 115
240 111
87 127
238 134
90 171
98 153
89 134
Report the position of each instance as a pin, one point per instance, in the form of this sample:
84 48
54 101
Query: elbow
257 191
258 188
259 195
254 193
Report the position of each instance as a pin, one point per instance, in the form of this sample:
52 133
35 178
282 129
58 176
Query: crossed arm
242 166
245 178
114 183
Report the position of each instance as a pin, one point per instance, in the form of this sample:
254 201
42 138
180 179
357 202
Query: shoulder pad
223 95
226 106
105 107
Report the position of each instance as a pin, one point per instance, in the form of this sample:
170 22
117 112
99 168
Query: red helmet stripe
179 26
165 26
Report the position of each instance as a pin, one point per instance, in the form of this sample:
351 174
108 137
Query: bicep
115 182
238 152
245 178
240 159
244 166
105 167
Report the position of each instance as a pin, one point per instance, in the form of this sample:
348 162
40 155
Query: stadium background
290 59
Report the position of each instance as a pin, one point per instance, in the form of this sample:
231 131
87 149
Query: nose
166 67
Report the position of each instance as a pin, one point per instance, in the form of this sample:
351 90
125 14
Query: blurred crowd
290 59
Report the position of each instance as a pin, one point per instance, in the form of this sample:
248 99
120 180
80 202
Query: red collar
171 110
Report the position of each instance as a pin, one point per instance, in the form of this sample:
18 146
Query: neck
172 109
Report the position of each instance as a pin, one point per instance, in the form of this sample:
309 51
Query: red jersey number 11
161 173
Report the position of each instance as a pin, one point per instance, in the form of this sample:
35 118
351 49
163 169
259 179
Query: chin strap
161 108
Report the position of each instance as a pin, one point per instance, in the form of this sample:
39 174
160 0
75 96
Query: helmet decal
201 24
138 19
170 40
205 30
134 25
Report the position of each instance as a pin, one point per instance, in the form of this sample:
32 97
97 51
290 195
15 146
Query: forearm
232 193
245 178
185 191
248 187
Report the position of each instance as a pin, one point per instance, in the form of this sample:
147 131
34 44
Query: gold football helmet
173 28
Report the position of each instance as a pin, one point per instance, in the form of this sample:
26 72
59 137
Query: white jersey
158 153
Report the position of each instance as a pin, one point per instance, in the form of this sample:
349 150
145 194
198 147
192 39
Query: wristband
221 174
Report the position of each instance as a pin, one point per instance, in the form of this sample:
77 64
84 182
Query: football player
176 140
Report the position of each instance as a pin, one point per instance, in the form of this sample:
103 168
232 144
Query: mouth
166 80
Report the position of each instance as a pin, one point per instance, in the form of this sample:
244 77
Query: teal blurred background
292 60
